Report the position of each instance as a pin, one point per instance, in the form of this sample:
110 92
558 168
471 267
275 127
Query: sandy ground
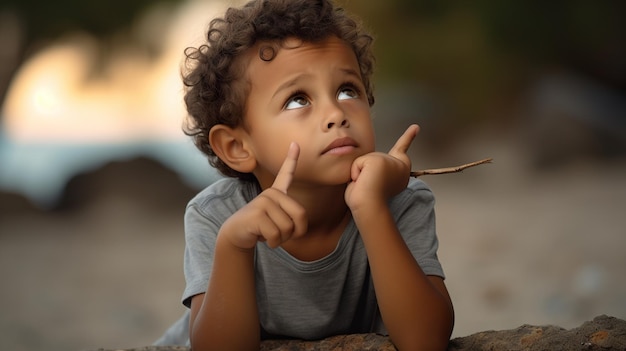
518 248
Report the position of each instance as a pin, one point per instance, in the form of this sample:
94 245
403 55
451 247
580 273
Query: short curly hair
214 93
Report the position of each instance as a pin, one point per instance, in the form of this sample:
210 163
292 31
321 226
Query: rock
140 180
602 333
12 203
353 342
568 118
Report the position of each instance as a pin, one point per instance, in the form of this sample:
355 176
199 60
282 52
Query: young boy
313 233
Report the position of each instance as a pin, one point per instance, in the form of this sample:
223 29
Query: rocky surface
341 342
602 333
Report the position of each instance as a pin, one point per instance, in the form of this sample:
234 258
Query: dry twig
449 169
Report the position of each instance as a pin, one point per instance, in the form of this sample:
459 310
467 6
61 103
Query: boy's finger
285 174
405 140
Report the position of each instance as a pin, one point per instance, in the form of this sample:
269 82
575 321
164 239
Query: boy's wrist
225 243
369 211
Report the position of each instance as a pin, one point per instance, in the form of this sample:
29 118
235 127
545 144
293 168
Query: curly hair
214 89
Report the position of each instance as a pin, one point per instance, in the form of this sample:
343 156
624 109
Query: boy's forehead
293 56
270 63
268 50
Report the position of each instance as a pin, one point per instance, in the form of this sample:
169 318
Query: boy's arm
415 308
226 316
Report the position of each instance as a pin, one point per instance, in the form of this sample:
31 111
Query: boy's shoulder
416 192
417 184
225 189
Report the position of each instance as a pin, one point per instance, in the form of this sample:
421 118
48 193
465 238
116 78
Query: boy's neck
325 205
328 216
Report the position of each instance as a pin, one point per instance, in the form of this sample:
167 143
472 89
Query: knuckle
300 214
272 235
268 196
273 231
283 228
289 227
262 197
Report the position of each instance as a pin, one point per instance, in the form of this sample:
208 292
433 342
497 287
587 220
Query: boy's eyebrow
294 81
351 72
289 83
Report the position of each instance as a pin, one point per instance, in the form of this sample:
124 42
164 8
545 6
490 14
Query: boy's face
311 94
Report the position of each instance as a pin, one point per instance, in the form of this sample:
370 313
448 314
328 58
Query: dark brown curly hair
214 91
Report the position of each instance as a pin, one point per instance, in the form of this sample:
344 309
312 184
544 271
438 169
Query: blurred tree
49 19
588 36
35 22
470 59
476 57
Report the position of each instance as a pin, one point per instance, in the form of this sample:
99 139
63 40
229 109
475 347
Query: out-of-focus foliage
476 56
48 19
29 25
469 59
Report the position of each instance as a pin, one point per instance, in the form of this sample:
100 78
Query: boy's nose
335 117
343 123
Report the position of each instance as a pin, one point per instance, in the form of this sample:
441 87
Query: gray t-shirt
308 300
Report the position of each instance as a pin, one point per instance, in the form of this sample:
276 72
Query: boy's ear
230 145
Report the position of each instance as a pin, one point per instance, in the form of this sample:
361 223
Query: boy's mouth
340 144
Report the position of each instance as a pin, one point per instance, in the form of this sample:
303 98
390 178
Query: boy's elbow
235 345
199 341
434 337
421 342
203 342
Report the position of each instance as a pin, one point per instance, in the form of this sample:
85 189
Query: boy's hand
272 216
378 176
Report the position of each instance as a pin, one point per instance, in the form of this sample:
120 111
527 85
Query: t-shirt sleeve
200 236
415 211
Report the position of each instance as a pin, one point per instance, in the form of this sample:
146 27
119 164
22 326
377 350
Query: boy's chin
342 179
332 176
334 180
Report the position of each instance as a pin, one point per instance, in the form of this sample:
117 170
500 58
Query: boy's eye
295 102
347 93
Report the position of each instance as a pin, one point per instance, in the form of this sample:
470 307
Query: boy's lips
339 143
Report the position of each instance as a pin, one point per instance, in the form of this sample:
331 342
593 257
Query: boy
312 233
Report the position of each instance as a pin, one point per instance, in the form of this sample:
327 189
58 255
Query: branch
449 169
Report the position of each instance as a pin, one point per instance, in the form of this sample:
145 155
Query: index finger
286 171
405 140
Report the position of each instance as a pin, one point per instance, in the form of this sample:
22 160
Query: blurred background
95 171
